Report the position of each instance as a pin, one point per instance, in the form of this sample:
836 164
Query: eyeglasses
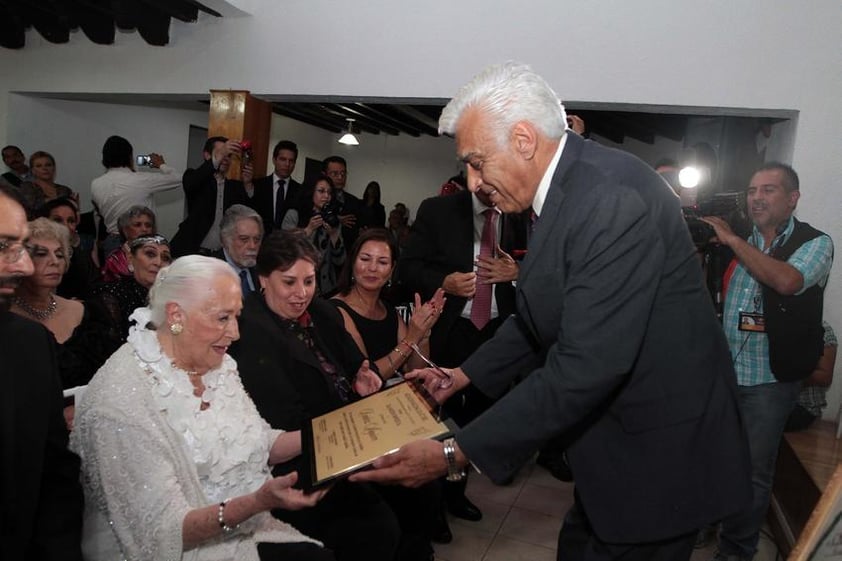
12 252
445 377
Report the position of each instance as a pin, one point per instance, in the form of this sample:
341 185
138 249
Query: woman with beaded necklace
81 330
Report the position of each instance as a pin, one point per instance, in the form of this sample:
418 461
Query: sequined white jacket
149 456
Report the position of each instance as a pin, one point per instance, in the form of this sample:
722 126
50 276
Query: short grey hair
507 93
187 282
234 214
135 211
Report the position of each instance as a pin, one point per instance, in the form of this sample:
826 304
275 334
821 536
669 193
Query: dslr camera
330 213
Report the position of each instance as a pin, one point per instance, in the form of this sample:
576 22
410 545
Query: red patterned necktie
481 307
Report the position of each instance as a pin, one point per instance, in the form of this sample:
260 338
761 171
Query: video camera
728 206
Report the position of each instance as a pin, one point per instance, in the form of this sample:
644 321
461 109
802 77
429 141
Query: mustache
10 282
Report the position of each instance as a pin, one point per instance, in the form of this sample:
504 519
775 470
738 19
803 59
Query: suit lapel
552 205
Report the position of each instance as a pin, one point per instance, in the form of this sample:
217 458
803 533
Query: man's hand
348 220
460 284
413 465
576 123
156 160
724 234
491 270
223 152
433 380
248 175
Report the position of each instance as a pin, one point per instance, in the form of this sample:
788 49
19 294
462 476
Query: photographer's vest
794 322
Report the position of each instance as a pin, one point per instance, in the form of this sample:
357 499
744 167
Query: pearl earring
176 328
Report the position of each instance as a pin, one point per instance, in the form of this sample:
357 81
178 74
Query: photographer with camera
120 188
318 215
773 323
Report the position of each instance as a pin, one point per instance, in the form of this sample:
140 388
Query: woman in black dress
380 333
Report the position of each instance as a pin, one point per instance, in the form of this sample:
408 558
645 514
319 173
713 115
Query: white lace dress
150 455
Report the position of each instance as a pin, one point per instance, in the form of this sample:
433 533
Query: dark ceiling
55 20
416 120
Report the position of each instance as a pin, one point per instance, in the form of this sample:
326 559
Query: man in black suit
445 250
353 214
208 193
40 496
241 234
16 162
275 194
629 359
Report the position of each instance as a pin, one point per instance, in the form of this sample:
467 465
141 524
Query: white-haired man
241 233
628 359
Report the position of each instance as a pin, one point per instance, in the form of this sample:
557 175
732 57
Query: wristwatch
454 473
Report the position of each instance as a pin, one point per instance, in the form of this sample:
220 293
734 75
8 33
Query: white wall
74 132
728 53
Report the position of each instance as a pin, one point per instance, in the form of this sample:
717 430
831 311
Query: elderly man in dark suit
40 495
275 194
631 361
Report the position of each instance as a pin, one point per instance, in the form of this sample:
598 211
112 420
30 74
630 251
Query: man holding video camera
773 323
120 187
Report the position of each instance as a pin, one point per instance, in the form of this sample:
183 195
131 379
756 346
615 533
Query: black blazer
441 242
200 195
280 374
261 201
40 495
635 369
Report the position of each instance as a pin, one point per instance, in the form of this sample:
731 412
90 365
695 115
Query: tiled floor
521 521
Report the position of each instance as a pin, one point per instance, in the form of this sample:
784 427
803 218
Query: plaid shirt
812 398
749 349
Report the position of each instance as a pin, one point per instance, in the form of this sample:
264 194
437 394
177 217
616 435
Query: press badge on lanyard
752 321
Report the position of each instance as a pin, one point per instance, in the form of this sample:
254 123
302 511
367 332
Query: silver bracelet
221 518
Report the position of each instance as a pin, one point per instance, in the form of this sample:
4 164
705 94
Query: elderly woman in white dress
175 456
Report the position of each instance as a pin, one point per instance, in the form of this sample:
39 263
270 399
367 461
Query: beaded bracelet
400 352
221 518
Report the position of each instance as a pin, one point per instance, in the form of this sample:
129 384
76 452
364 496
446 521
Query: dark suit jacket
441 242
261 201
635 367
282 376
200 195
353 205
40 496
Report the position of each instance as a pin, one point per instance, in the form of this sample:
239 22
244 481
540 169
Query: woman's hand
315 223
425 315
438 384
278 493
367 381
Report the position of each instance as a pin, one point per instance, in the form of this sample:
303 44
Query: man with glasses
352 212
40 495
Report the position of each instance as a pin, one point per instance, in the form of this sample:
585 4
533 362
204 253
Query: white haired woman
175 457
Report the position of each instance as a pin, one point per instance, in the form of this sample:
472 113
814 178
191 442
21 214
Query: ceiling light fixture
348 138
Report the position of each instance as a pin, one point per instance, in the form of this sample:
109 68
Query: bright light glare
349 139
689 177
